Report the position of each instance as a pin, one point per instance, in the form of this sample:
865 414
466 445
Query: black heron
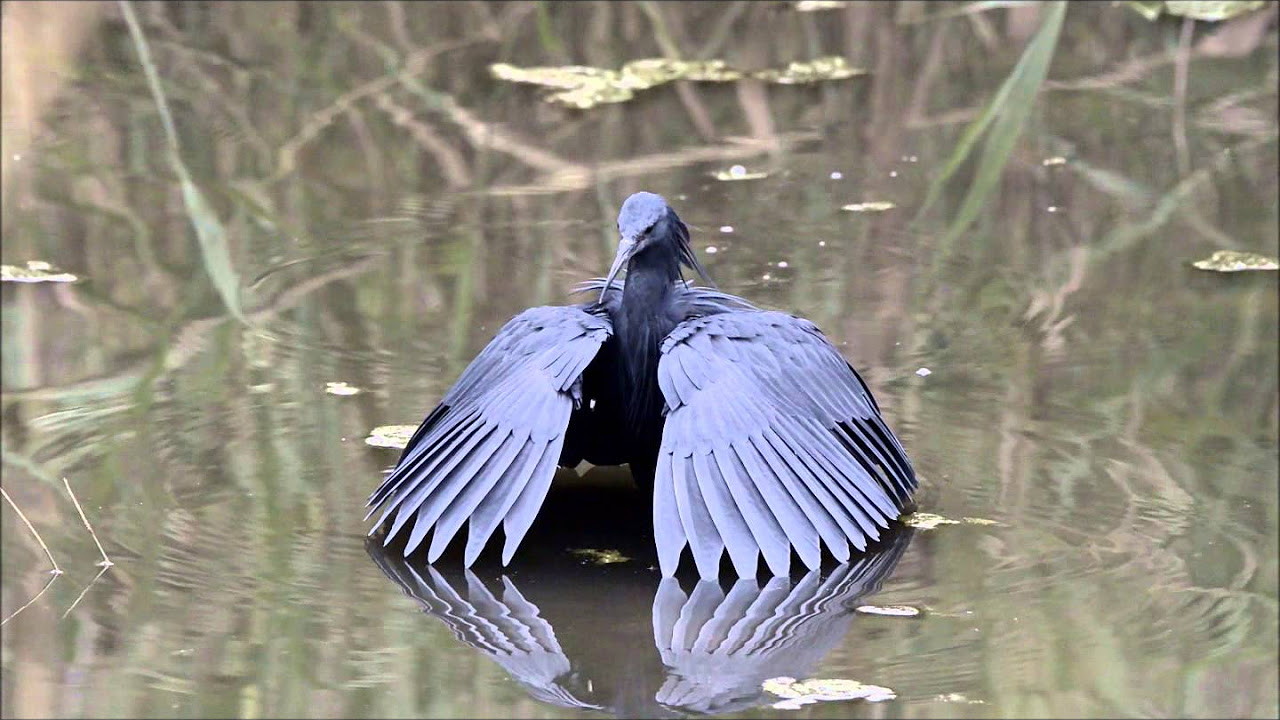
754 434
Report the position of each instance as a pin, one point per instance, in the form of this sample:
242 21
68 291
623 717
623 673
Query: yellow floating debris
1055 160
584 87
824 68
35 271
1196 9
872 206
1233 261
816 5
390 436
889 610
738 172
797 693
600 557
929 521
340 388
958 698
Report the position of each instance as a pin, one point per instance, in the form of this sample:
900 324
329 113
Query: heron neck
650 276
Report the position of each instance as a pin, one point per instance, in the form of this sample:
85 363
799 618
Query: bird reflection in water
578 635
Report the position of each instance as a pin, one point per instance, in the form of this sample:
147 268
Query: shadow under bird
754 434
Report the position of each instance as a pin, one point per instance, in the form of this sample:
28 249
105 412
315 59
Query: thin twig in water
56 570
106 561
32 600
85 591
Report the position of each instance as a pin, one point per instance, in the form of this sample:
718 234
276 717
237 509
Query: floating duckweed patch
340 388
816 5
873 206
1196 10
1055 160
738 172
797 693
35 271
929 521
1232 261
583 87
600 557
390 436
889 610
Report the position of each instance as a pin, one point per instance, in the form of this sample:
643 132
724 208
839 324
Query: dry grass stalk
106 561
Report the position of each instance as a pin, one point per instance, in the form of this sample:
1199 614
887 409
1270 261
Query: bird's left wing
771 441
488 452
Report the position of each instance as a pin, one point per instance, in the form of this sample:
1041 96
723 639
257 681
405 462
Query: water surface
386 204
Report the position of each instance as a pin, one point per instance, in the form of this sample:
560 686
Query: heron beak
626 247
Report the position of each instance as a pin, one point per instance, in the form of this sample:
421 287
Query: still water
374 204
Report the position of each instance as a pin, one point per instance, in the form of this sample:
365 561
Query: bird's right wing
488 452
771 442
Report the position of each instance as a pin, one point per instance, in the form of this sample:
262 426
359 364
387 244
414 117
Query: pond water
374 204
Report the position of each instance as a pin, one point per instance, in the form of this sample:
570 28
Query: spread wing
488 452
772 441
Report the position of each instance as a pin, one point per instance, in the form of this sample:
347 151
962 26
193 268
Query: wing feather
493 508
668 529
488 452
705 538
783 439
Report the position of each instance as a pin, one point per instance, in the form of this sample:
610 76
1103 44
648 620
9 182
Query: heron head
646 222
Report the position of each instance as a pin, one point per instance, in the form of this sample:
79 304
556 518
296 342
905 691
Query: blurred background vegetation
349 194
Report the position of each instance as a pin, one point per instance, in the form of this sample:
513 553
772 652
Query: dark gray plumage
755 435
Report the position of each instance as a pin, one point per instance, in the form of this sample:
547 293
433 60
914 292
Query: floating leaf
825 68
1233 261
600 557
35 271
340 388
651 72
567 77
796 693
929 521
958 698
583 87
1196 10
390 436
738 172
1146 8
889 610
872 206
816 5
